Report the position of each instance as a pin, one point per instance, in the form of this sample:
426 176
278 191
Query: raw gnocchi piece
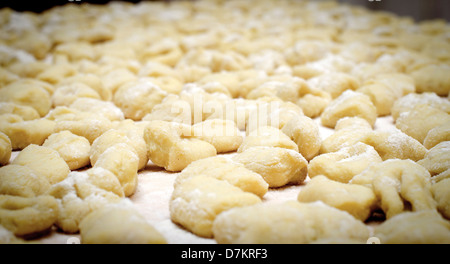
72 148
224 135
115 136
437 159
347 132
305 133
22 181
171 145
408 102
122 162
27 94
197 201
437 135
424 227
225 169
394 145
77 196
5 149
25 112
104 108
349 104
171 109
432 78
136 99
91 80
357 200
334 83
441 193
420 120
28 216
345 163
66 94
23 133
287 223
85 124
267 136
40 159
118 223
397 183
278 166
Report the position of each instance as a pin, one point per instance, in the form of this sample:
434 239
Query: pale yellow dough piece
408 102
136 99
66 94
104 108
81 193
196 202
287 223
22 181
441 193
424 227
398 181
432 78
437 135
224 135
119 135
40 159
72 148
306 135
23 133
25 112
394 145
347 132
267 136
437 160
345 163
225 169
118 223
420 120
349 104
122 162
278 166
5 149
27 216
171 145
357 200
334 83
27 94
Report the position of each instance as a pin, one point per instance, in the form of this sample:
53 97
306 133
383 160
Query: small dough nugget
397 183
344 164
432 78
22 181
278 166
27 94
197 201
408 102
23 133
171 145
27 216
66 94
26 112
437 135
357 200
394 145
287 223
306 135
5 149
424 227
122 162
267 136
349 104
72 148
119 135
81 193
420 120
43 161
225 169
118 223
441 193
347 132
437 160
104 108
224 135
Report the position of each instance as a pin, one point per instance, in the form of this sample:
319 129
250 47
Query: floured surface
155 187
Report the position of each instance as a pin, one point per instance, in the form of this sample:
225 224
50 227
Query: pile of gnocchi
231 97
